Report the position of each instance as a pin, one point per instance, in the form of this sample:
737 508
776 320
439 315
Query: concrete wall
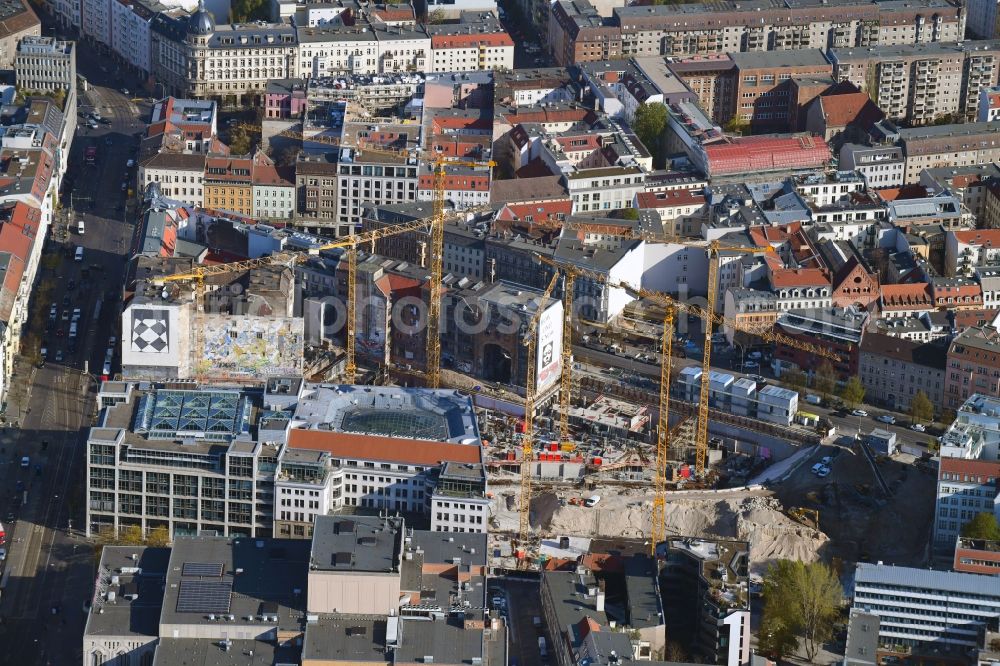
359 593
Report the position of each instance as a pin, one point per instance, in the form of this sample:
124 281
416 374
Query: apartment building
893 370
706 598
179 176
228 184
45 64
921 608
964 144
973 365
918 83
763 85
273 189
578 33
604 189
967 250
881 166
470 46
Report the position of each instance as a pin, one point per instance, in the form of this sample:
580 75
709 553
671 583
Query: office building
922 608
977 556
763 85
45 64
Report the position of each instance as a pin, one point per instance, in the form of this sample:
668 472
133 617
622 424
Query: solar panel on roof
212 569
203 596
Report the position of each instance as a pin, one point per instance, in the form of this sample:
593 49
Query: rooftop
358 543
927 580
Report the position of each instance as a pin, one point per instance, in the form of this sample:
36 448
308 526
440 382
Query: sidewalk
19 392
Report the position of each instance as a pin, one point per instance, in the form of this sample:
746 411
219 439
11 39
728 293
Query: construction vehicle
808 517
527 437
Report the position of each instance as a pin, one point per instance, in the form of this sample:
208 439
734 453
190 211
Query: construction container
685 471
596 461
552 446
569 447
510 456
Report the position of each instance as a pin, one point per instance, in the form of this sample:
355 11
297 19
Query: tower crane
714 250
671 306
350 244
527 438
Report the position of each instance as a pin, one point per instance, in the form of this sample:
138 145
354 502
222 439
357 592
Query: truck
90 154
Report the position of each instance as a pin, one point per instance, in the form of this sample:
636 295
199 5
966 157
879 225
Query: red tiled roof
783 278
905 296
987 468
766 153
851 108
986 237
389 449
493 39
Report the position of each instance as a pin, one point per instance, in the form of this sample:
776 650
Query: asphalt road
49 570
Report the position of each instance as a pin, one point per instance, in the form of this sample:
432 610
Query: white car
823 471
887 418
826 460
918 427
859 412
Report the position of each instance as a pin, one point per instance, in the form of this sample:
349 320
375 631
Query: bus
91 154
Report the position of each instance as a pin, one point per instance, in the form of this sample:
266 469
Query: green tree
777 640
737 125
649 123
239 141
921 408
436 17
983 526
801 600
630 213
825 379
243 11
853 392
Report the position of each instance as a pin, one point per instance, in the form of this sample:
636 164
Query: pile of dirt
754 518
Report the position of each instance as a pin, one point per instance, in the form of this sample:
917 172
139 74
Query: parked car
918 427
826 460
887 418
859 412
824 471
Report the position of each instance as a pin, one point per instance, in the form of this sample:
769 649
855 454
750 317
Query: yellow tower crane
350 244
671 306
714 250
527 438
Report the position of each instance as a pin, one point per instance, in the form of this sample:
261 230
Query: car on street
887 418
3 554
130 163
124 91
826 460
59 355
65 300
918 427
124 186
859 412
823 472
92 124
65 314
25 462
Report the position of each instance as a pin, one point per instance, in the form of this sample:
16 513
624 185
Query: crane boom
659 525
566 378
527 438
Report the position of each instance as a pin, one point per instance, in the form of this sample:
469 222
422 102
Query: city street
48 575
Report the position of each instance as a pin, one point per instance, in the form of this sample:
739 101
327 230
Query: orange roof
493 39
799 277
987 237
376 447
842 110
984 468
903 295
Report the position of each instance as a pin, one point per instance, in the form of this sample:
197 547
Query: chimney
600 597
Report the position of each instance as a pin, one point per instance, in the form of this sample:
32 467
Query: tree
649 123
243 11
629 213
239 141
853 392
436 17
983 526
777 640
801 600
825 379
737 125
795 377
286 156
921 408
